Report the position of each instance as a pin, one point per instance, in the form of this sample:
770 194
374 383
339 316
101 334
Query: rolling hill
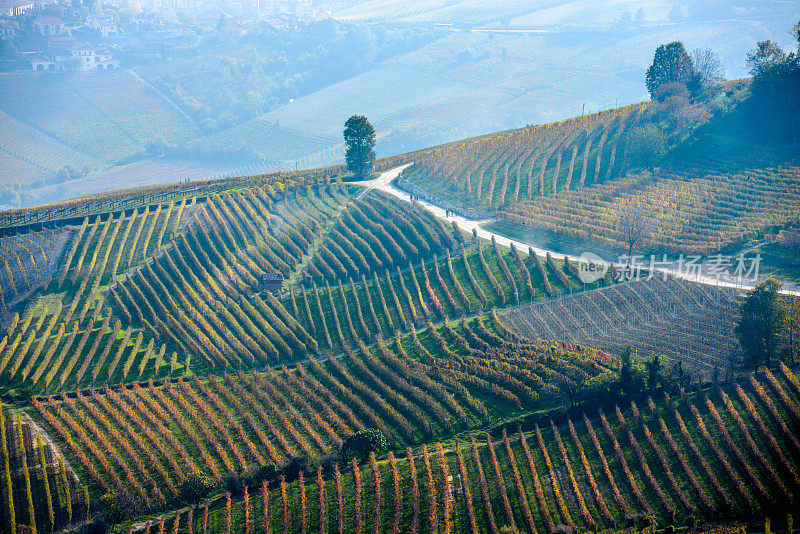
463 83
299 352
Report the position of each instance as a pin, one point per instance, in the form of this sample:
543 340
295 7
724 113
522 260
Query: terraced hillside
683 321
726 453
85 114
699 208
70 335
177 287
38 485
717 187
226 425
154 355
520 165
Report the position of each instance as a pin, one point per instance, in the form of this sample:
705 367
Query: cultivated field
145 342
39 487
28 262
226 424
682 321
37 149
51 105
728 453
698 209
521 165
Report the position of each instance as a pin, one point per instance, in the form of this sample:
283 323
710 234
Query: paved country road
384 183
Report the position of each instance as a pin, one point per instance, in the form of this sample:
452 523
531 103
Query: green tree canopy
671 64
774 106
764 57
761 323
646 144
359 136
363 442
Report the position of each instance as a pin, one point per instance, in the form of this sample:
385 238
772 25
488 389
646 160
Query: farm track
384 183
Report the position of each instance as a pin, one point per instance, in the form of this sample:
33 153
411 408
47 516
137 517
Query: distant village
82 36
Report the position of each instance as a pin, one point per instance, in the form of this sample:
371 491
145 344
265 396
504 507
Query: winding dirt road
384 183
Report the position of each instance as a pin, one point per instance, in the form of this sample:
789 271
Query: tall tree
761 323
363 442
634 224
766 56
708 68
671 64
776 84
654 372
791 332
359 136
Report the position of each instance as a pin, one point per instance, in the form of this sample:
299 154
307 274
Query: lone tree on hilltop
359 136
671 64
761 323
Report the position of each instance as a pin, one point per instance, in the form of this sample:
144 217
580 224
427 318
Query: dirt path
384 183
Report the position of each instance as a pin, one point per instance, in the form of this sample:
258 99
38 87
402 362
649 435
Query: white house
50 26
104 24
41 62
74 56
87 58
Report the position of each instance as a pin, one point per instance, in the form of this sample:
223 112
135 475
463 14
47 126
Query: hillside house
7 30
41 63
272 282
67 54
49 26
90 58
103 24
